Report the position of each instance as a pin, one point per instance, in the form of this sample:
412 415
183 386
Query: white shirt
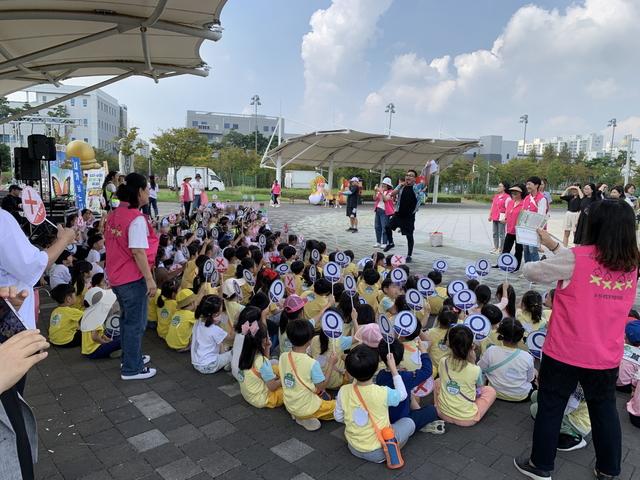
138 233
58 275
205 343
21 264
93 256
153 192
197 186
513 379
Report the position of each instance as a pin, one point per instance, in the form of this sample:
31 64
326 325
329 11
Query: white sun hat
100 303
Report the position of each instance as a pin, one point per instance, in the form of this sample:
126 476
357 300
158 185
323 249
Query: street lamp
391 109
627 168
524 119
255 101
612 123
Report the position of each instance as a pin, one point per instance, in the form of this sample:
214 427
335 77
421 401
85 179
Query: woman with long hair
498 215
109 190
584 344
590 195
153 198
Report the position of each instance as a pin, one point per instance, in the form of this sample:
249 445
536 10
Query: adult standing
590 195
353 200
573 196
276 190
497 215
109 190
153 196
12 203
198 188
186 195
131 251
383 208
408 198
513 208
584 344
534 202
547 194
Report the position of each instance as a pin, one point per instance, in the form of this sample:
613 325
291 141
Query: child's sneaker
569 443
143 375
436 427
523 465
310 424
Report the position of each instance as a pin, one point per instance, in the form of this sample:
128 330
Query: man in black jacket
12 203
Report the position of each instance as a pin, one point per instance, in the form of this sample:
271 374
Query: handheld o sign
200 232
313 273
471 272
479 325
33 206
535 342
414 299
483 267
276 291
426 287
455 287
172 218
350 285
209 267
507 263
342 259
440 266
262 240
112 323
398 260
464 299
214 233
362 300
164 223
332 272
332 324
248 276
222 264
213 278
315 255
405 323
386 329
236 288
398 275
282 269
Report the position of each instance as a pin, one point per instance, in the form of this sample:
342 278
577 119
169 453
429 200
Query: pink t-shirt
633 405
498 205
513 210
276 189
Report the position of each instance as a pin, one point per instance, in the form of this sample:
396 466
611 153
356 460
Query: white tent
45 41
350 148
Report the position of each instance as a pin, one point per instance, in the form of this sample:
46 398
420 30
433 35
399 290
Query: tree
104 156
5 157
246 142
60 112
5 109
177 147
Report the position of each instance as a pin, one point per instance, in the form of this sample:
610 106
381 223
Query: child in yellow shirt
297 268
531 314
95 344
351 268
438 348
303 379
436 301
494 315
368 287
317 300
391 292
166 306
65 319
182 322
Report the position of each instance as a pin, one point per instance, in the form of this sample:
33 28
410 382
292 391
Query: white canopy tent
350 148
46 41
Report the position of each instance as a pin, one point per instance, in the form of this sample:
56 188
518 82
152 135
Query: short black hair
366 314
370 276
446 318
322 286
288 252
299 332
510 330
535 180
483 294
395 347
60 292
362 362
493 313
412 170
297 267
435 277
229 253
472 284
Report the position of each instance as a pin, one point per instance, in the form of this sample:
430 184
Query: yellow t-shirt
437 348
247 292
189 274
152 308
579 418
491 340
283 341
423 315
411 359
370 293
65 321
299 399
358 429
180 329
88 344
314 306
165 314
454 385
233 310
299 282
80 300
351 269
436 301
525 319
336 378
254 390
231 271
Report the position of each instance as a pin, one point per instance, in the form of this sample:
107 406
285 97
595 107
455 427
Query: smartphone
10 321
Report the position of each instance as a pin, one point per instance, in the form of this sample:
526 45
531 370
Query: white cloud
569 70
332 53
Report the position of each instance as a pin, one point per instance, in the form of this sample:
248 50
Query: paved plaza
182 424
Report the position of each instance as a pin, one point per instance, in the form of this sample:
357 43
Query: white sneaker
436 427
376 245
383 245
145 359
309 424
143 375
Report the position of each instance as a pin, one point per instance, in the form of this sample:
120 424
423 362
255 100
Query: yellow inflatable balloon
85 152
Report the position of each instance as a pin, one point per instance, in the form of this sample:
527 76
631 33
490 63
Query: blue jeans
133 301
530 254
424 416
105 350
403 428
196 203
381 222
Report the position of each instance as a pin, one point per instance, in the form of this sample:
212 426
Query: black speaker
26 168
41 148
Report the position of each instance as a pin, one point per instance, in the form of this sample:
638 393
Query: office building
215 125
494 149
592 145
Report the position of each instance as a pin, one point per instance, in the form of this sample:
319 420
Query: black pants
406 226
509 240
635 420
557 381
187 209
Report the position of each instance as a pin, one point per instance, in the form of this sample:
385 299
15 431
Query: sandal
436 427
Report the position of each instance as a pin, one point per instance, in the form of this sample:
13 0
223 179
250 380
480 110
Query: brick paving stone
133 469
135 426
254 456
122 414
218 429
316 464
114 455
240 473
179 470
105 438
277 469
169 422
148 440
218 463
159 456
199 449
292 450
231 390
183 435
151 405
235 413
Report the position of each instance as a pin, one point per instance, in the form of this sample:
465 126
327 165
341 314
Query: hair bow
269 274
251 328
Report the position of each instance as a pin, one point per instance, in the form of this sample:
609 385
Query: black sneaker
408 259
388 247
349 229
569 443
602 476
523 465
354 230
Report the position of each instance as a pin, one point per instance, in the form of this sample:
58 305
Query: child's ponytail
532 303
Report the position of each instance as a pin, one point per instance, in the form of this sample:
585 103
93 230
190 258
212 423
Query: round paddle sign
483 267
464 299
405 323
276 292
471 272
342 259
249 278
332 324
282 269
479 325
262 240
398 275
426 287
221 264
332 272
535 342
350 285
507 263
414 299
209 267
386 329
313 273
33 206
440 266
315 255
456 286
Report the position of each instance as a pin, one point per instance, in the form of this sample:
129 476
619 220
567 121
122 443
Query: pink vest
186 192
387 204
498 205
276 189
512 212
121 267
531 204
587 323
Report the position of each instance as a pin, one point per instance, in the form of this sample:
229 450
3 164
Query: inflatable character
317 187
342 198
85 152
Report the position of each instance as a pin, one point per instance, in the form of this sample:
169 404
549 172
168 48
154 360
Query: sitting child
182 322
436 301
95 344
166 307
368 287
208 353
317 300
65 319
630 364
303 379
530 313
322 347
364 407
509 369
494 315
438 348
391 291
460 395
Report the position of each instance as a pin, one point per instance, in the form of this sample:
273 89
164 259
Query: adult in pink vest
513 208
534 202
497 215
585 340
186 195
131 245
383 207
276 190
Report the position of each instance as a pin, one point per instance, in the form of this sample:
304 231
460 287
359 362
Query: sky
453 69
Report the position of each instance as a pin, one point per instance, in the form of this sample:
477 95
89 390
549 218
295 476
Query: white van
210 179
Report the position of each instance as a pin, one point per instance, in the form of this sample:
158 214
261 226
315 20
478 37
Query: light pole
391 109
524 119
627 168
255 101
612 123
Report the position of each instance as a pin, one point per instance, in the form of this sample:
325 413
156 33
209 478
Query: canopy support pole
436 187
279 168
330 174
383 170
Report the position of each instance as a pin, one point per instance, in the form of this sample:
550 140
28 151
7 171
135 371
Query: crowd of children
280 355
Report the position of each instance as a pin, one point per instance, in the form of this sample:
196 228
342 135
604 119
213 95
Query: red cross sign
397 260
222 264
290 282
33 206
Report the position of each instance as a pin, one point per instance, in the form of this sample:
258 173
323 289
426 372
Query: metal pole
525 134
330 174
436 187
627 168
256 135
613 133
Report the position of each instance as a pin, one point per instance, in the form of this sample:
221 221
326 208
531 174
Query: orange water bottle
392 449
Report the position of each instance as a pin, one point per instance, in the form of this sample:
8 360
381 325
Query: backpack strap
492 368
295 372
446 367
